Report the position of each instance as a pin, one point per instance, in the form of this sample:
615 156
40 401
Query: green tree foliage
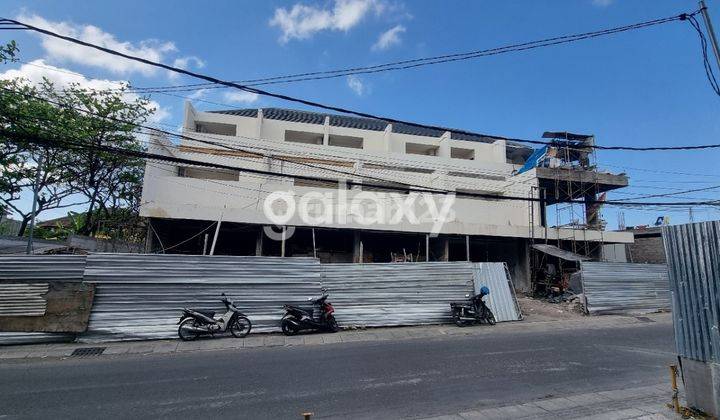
107 184
8 52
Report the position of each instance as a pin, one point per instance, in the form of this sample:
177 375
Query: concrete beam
610 181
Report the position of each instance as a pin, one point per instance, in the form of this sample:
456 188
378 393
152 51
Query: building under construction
297 183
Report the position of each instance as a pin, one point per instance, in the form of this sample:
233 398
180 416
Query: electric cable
310 103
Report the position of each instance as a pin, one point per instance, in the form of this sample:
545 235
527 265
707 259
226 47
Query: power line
45 142
418 62
673 193
310 103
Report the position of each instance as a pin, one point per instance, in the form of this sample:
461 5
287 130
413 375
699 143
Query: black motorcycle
317 317
472 311
195 322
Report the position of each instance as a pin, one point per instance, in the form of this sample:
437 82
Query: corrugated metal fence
502 300
42 267
693 255
625 287
141 296
396 294
32 268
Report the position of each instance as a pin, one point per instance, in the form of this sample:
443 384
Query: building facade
349 189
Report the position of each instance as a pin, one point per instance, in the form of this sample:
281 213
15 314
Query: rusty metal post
673 382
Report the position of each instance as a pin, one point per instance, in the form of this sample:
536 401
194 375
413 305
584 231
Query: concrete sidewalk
648 402
373 334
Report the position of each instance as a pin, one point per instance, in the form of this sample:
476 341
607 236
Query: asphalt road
387 379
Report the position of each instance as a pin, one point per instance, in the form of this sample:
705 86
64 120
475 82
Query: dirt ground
541 310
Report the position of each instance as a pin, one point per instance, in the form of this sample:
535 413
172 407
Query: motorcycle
473 311
298 318
194 322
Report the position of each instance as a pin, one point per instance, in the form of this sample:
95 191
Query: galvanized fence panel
393 294
142 296
501 300
23 299
625 288
693 256
33 268
42 267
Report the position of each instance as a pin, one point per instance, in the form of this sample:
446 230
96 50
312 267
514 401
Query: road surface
384 379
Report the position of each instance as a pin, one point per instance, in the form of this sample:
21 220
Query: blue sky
645 87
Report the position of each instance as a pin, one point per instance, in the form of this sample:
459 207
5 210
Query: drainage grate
644 319
88 351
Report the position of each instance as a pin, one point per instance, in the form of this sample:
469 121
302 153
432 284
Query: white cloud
239 96
185 62
34 72
301 21
356 85
64 51
198 94
602 3
389 38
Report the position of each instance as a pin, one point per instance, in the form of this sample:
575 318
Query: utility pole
36 191
711 31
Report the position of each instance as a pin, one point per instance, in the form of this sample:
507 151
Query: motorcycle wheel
241 327
459 322
288 328
332 324
490 317
184 333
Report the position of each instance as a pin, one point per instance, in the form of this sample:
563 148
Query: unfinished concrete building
338 161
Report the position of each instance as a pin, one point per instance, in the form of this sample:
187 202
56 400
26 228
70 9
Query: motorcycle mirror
324 289
467 296
223 295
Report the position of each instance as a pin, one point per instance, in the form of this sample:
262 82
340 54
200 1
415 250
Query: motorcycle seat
466 304
209 314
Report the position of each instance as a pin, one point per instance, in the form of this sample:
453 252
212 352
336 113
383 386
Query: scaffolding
566 154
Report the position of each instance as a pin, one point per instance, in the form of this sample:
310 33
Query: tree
109 184
8 52
21 113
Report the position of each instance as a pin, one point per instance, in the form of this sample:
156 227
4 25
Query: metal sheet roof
310 117
560 253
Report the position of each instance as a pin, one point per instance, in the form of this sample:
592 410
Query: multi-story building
352 177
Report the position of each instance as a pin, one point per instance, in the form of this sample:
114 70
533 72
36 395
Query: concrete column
388 138
592 210
520 271
282 244
259 242
259 124
357 247
444 145
149 238
326 131
357 169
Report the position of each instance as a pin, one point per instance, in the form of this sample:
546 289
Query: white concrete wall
166 195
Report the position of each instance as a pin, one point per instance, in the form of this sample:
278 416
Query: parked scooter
473 311
317 317
195 322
